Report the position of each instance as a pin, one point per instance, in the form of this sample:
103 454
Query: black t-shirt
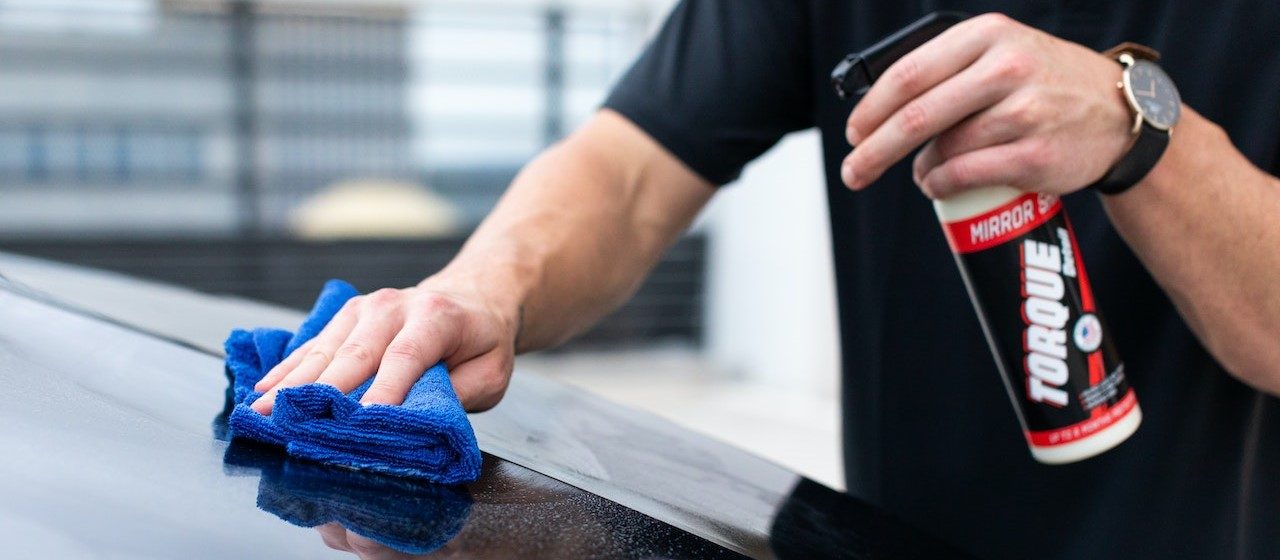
929 432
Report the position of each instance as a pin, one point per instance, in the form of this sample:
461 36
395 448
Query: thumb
481 382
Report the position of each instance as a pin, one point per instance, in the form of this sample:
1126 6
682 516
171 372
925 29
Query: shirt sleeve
722 82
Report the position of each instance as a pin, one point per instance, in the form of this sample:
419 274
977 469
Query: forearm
569 240
577 231
1206 223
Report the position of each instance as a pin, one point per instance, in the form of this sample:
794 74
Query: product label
1026 277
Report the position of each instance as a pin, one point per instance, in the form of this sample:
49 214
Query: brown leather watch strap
1135 49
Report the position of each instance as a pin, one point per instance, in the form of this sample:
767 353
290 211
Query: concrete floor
797 429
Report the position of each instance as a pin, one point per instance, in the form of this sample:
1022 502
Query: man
1183 259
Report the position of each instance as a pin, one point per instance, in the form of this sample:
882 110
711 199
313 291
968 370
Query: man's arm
1206 223
572 238
579 228
994 102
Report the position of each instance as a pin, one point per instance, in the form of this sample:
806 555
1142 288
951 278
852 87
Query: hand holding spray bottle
1025 276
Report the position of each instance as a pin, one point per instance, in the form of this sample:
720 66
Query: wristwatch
1156 106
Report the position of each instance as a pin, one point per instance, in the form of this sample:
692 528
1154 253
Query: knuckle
438 304
355 351
1035 157
1013 67
906 75
304 349
487 401
316 354
490 396
853 120
486 386
493 379
919 168
383 386
987 129
382 298
994 21
927 188
947 144
352 305
864 157
404 350
915 119
496 380
1025 112
960 173
853 129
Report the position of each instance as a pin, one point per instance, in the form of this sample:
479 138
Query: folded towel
428 437
411 516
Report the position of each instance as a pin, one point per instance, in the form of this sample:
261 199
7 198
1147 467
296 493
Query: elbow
1263 378
1245 347
1257 367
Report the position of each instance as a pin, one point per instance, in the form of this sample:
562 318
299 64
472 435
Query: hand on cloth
993 102
393 335
427 435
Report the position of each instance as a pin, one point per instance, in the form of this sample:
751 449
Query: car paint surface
113 388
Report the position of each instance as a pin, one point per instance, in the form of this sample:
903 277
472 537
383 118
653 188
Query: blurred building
145 117
176 138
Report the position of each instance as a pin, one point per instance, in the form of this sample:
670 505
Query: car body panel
115 384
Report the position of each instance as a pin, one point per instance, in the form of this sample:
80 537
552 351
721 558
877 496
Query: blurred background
256 148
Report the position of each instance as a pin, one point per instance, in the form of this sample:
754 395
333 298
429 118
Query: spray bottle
1025 276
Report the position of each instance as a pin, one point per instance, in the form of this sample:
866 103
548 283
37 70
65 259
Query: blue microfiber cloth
428 437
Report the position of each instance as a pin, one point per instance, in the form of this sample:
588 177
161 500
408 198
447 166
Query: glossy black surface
510 512
108 452
711 489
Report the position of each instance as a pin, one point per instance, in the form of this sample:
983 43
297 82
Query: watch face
1152 93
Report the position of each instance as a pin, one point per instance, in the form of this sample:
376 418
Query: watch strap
1147 146
1142 157
1138 50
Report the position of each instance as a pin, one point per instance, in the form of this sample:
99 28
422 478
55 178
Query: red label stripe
1086 428
1002 224
1086 291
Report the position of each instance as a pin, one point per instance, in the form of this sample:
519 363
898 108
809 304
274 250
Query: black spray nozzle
855 74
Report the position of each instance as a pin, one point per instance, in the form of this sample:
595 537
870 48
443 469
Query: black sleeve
722 82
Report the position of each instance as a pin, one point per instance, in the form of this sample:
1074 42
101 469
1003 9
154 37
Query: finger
345 317
357 358
1018 164
283 368
920 70
418 346
334 536
928 115
313 362
480 383
990 127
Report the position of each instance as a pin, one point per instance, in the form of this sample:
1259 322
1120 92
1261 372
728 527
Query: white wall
771 295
